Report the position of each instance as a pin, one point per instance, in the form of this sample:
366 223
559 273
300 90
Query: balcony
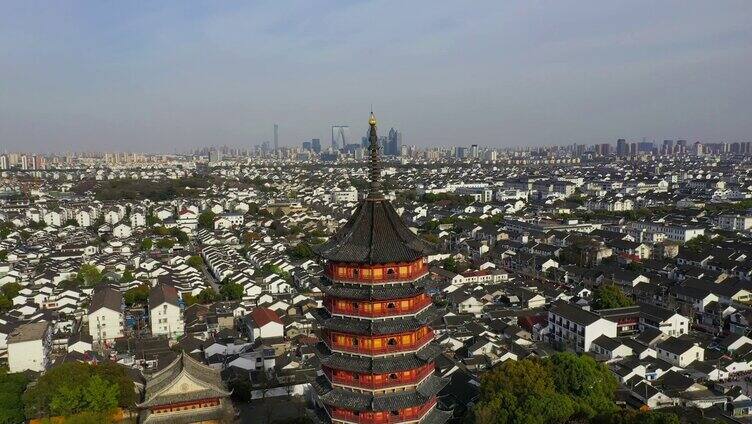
378 381
377 309
383 417
377 274
385 349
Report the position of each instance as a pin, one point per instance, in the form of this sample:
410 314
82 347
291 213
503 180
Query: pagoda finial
374 160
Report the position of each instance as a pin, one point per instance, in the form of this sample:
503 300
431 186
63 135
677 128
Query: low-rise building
576 328
165 315
29 347
106 315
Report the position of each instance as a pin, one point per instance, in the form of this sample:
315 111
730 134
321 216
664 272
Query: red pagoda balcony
379 381
377 309
382 417
380 273
379 345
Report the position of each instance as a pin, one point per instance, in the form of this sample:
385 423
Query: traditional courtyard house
263 323
680 352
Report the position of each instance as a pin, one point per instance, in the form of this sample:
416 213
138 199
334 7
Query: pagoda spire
374 160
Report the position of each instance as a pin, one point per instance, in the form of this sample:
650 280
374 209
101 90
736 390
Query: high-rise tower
340 136
276 138
377 350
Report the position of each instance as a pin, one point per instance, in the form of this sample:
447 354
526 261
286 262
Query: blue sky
166 75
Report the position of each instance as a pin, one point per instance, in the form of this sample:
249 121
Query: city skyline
96 77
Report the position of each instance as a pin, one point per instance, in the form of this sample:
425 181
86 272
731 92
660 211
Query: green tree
100 395
562 388
189 299
12 387
698 243
179 235
10 290
136 295
5 229
89 275
207 295
5 304
3 254
270 269
609 296
449 264
71 387
118 374
195 261
161 231
302 251
69 284
165 243
590 384
521 392
206 220
231 291
67 400
127 276
147 244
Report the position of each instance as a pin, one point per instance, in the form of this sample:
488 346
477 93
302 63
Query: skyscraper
622 148
340 136
276 138
377 351
316 145
668 147
394 143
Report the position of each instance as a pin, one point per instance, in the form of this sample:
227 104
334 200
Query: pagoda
377 349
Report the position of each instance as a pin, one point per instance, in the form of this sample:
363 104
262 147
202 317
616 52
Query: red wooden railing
368 310
386 348
375 274
369 382
383 417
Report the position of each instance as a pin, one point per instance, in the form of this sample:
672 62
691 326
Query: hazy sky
166 75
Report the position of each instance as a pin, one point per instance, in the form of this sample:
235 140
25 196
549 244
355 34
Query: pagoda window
392 376
395 412
391 305
355 273
355 305
354 341
390 271
392 341
356 376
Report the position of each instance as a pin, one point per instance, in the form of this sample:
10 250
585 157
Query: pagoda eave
371 292
379 365
356 401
